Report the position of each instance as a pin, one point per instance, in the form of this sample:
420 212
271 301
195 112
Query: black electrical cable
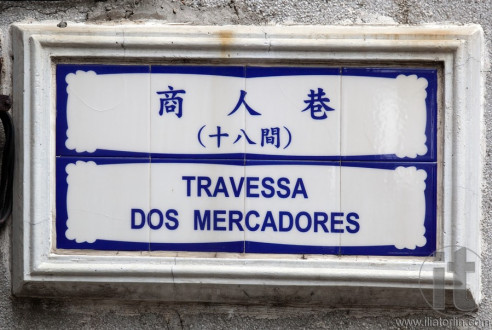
7 169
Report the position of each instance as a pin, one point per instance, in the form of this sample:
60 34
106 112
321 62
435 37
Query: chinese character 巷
316 104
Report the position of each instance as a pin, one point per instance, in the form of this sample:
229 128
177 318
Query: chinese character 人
242 100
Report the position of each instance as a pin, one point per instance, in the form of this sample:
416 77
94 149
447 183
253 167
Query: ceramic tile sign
301 160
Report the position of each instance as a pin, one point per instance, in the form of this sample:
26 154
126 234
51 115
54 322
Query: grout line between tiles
150 148
340 152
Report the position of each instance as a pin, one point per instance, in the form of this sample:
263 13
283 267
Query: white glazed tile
100 200
170 190
108 111
390 205
206 104
283 127
384 116
322 189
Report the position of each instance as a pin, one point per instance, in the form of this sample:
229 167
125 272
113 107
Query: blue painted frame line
430 222
278 71
247 72
101 157
62 242
430 102
225 71
62 70
245 246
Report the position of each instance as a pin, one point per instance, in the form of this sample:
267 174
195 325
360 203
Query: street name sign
324 160
304 165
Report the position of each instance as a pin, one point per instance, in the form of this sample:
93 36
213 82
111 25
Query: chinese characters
171 102
243 101
274 137
316 104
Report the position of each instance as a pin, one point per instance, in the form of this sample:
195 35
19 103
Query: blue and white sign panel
246 159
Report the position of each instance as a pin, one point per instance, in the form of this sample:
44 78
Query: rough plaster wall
49 313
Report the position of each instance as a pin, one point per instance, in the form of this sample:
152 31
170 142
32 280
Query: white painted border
337 281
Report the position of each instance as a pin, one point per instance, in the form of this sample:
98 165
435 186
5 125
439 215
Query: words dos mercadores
251 220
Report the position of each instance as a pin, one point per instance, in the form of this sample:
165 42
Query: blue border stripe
384 250
229 156
259 247
102 68
430 102
232 247
61 207
62 242
228 71
246 156
247 162
383 72
245 71
62 70
272 71
430 219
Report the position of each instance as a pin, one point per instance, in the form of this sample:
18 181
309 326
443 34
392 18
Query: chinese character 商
170 102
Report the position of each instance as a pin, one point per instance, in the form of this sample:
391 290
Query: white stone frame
39 270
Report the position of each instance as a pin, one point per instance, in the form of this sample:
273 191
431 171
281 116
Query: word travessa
250 220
